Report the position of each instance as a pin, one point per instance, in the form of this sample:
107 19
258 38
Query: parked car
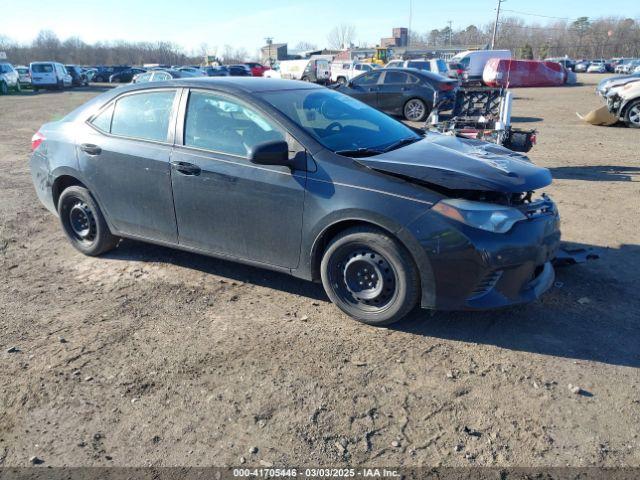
161 75
49 75
257 69
385 217
617 81
622 65
125 76
9 78
624 103
193 71
90 73
342 72
239 70
468 66
218 71
103 73
23 75
597 66
78 77
314 70
405 92
581 67
435 65
567 63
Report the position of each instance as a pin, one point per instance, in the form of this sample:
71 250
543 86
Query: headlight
485 216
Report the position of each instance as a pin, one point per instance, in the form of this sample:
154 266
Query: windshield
339 122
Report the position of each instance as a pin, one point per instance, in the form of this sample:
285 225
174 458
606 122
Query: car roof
229 84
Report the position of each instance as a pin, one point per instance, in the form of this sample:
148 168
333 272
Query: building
399 38
273 53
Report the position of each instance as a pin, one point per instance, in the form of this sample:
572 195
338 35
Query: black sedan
78 77
125 76
402 91
301 179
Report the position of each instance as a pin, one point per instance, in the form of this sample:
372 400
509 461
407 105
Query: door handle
91 149
186 168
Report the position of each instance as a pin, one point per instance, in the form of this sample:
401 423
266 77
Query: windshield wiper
359 152
401 143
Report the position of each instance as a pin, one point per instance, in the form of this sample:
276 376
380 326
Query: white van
49 75
309 69
435 65
469 65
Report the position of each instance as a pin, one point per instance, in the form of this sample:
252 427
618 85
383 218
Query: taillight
447 87
36 140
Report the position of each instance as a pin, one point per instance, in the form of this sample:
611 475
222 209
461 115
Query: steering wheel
334 127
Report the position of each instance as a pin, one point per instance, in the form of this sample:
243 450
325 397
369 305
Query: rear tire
342 80
370 276
415 110
83 222
632 115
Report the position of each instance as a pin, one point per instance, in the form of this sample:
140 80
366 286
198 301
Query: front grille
486 284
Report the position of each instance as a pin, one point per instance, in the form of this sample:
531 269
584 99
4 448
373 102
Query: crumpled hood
462 164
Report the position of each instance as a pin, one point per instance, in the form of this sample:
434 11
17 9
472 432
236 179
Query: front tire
83 222
18 88
3 88
370 276
632 115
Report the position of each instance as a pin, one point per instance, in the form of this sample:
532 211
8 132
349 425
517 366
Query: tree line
604 37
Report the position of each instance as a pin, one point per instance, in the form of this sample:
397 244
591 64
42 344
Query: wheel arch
61 183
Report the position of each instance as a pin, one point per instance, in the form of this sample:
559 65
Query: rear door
43 74
224 203
395 90
124 154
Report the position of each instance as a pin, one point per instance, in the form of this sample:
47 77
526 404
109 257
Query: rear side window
42 68
223 125
143 115
395 77
102 121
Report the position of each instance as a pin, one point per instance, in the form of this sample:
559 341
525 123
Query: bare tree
341 37
304 46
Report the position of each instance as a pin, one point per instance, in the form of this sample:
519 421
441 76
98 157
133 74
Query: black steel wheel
83 223
370 276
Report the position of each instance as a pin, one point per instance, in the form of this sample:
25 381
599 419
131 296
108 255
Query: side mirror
271 153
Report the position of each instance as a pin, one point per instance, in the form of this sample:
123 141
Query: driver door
365 88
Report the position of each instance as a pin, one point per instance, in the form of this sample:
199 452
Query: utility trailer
483 113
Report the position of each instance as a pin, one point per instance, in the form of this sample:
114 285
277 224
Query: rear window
22 70
42 68
420 65
143 115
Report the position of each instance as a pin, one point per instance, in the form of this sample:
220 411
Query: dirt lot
150 356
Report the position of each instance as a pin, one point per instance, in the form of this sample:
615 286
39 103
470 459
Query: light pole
495 25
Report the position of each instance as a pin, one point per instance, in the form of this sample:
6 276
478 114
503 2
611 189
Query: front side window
143 115
217 123
370 78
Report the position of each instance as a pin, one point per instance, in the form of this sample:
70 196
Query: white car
597 67
9 78
343 72
624 103
435 65
50 75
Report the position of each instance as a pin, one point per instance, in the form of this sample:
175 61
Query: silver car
9 78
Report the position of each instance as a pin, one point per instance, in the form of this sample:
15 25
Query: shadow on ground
526 119
604 330
596 173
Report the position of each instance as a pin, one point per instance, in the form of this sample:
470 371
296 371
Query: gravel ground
149 356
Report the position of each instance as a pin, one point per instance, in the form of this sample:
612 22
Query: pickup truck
343 72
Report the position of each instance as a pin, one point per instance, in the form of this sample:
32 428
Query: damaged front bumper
474 269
